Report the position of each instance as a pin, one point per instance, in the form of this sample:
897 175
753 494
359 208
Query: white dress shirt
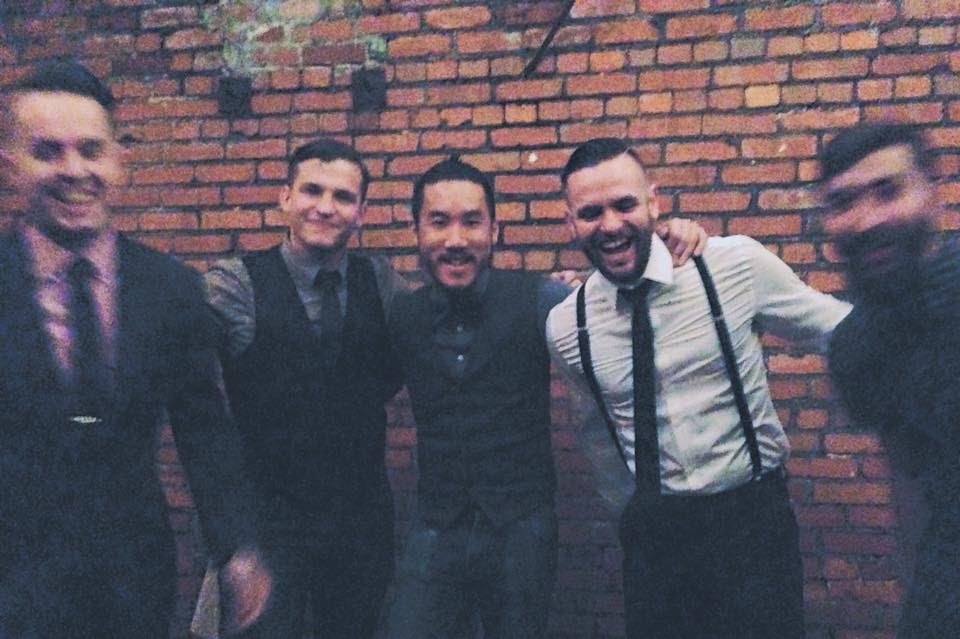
702 447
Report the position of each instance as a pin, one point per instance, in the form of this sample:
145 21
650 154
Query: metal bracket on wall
535 61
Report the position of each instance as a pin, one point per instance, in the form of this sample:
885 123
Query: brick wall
727 102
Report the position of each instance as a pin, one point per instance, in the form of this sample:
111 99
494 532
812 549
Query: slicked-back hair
67 77
451 169
327 150
852 145
593 152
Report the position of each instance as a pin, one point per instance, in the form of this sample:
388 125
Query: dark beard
894 278
641 239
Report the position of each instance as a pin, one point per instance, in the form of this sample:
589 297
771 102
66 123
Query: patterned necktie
645 445
90 379
331 319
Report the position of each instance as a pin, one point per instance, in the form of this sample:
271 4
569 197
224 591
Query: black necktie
331 319
646 449
90 375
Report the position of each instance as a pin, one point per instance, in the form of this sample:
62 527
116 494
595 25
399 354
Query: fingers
683 238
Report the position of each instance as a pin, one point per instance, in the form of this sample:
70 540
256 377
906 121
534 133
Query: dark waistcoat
483 438
314 435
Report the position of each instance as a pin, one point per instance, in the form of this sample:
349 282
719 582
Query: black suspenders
729 360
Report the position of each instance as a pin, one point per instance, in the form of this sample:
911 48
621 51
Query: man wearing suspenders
686 433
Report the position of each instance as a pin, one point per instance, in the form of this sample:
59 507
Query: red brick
821 42
523 136
701 26
250 195
739 124
583 131
860 40
405 97
757 173
328 31
664 127
852 443
604 83
674 54
710 51
785 46
605 8
626 30
494 162
320 101
488 41
389 22
459 93
846 13
874 89
514 234
917 112
163 175
930 9
272 103
846 67
784 199
780 18
458 18
534 184
192 39
912 87
828 467
167 221
232 219
860 492
902 64
699 151
742 74
341 53
271 148
671 6
714 202
521 113
673 79
386 143
419 45
655 103
820 119
686 175
603 61
472 139
225 172
726 99
201 244
442 70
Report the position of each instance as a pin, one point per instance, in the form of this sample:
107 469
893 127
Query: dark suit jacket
92 490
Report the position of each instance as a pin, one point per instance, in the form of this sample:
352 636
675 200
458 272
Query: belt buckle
84 420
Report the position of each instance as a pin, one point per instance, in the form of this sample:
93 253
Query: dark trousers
504 573
723 566
341 564
932 606
90 586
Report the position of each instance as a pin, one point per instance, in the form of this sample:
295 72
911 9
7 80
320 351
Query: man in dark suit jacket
97 336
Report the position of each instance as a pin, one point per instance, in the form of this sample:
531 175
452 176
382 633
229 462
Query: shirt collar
659 268
304 267
52 261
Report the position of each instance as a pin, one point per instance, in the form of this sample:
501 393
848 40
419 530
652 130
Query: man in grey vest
686 435
896 358
308 367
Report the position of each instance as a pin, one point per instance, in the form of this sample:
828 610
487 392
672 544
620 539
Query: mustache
455 255
911 236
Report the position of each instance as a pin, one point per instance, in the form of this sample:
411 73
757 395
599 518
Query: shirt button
459 328
460 357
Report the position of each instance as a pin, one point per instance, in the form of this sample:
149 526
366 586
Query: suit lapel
28 359
134 308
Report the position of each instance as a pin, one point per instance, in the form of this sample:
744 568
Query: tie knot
636 295
82 270
327 280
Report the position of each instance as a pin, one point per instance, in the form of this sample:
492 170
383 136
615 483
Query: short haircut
593 152
68 77
327 150
451 169
852 145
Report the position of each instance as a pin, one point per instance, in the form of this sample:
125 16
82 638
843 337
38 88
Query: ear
653 202
284 198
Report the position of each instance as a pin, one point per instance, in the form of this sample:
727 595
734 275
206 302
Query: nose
324 204
610 220
73 164
455 236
